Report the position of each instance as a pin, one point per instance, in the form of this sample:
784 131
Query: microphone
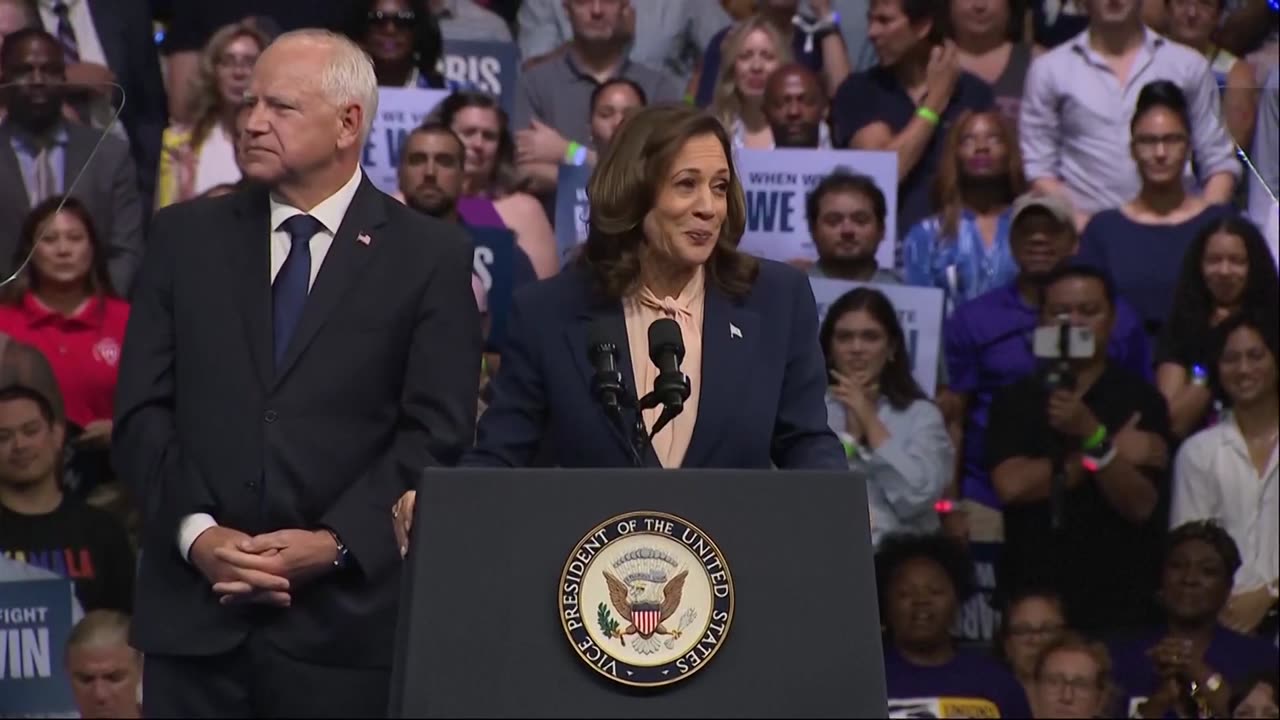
606 385
671 387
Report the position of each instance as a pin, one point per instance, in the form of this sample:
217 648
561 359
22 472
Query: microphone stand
610 381
664 386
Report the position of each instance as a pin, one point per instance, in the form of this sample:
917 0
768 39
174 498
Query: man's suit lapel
75 156
577 336
13 188
248 244
106 24
729 337
344 262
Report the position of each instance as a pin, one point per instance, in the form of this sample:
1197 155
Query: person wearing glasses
1072 680
404 40
1141 243
199 156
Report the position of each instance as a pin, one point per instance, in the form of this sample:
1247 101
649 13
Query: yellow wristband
929 115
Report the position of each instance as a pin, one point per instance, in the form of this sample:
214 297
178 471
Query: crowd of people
1092 185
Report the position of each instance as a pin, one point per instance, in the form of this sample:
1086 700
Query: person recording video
1079 453
662 300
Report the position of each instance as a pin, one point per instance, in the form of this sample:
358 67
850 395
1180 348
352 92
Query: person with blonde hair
1072 679
753 50
200 156
106 673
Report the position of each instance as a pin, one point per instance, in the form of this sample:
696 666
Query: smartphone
1047 343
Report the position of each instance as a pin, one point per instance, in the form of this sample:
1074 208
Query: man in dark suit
295 358
111 42
42 155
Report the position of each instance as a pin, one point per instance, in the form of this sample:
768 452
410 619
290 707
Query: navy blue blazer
762 397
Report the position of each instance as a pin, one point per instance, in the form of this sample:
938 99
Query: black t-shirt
877 96
194 21
1104 566
79 542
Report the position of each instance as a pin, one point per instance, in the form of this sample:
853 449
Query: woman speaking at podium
660 282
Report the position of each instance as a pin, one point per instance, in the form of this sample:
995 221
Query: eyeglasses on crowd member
1033 619
1227 473
403 38
1141 243
201 155
964 249
922 579
1225 270
1072 679
492 193
667 211
893 435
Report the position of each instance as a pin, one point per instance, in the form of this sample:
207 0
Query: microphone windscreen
664 336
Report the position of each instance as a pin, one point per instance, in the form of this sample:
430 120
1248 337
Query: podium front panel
480 620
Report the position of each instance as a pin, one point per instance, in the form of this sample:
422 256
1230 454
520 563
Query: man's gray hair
348 77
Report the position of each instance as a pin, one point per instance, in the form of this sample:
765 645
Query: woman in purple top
922 581
492 194
1141 243
1188 667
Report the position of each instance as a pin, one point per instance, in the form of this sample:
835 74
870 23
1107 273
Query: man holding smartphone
1106 431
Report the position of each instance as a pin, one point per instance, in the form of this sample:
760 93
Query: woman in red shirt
60 301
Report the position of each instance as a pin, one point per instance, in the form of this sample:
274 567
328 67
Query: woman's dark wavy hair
896 381
1161 94
1257 319
505 179
1192 303
99 280
625 185
428 41
898 548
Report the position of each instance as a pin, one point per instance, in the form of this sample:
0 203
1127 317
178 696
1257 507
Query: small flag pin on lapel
734 332
364 239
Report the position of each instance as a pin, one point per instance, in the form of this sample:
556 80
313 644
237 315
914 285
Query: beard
441 206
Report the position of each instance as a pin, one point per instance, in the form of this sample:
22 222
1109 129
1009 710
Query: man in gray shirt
553 100
465 20
846 215
1079 100
667 35
1265 185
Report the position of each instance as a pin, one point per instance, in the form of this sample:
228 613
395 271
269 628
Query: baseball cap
1052 204
22 366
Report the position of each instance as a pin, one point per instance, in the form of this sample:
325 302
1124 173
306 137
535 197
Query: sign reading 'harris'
646 599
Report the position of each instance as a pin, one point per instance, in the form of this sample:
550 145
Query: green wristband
929 115
1095 440
850 449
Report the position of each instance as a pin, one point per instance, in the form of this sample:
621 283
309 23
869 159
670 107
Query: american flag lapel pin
364 239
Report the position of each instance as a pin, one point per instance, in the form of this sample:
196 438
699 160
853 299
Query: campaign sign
919 312
491 67
400 110
35 622
494 263
778 182
573 212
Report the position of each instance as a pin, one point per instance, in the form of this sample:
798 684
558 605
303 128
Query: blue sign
35 622
491 67
573 211
495 265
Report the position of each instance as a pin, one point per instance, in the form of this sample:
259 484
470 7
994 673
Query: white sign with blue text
400 110
919 313
778 182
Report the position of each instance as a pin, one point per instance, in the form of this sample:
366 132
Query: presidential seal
646 599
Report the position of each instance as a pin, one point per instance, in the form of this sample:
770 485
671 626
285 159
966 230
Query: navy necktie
289 291
66 33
